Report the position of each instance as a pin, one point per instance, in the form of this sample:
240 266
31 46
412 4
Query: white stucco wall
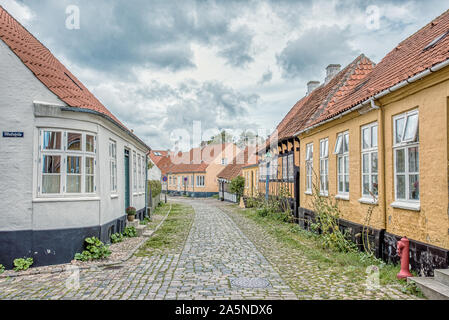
22 207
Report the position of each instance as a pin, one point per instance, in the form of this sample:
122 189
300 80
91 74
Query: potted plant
131 212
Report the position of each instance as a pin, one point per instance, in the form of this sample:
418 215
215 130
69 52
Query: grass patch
172 234
353 265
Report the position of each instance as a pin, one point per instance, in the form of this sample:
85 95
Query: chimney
331 71
312 85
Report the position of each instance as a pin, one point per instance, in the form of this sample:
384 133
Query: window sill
309 193
114 196
344 197
324 194
412 206
366 200
42 200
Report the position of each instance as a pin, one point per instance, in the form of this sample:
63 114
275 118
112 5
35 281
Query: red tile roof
243 159
312 105
406 60
156 158
52 73
198 159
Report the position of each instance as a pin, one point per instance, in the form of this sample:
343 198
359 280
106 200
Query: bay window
342 152
309 167
67 162
324 167
369 161
406 156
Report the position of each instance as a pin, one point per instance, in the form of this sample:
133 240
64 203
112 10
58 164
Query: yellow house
280 157
194 173
251 175
385 144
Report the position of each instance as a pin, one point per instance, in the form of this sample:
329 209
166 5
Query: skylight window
436 41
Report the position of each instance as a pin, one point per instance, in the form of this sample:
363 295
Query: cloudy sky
160 65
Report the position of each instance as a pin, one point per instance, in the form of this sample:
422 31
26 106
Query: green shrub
145 221
23 264
2 268
95 249
116 238
130 232
237 186
155 186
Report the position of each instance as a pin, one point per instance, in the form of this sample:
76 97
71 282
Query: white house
69 168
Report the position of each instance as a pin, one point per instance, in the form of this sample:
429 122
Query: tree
237 185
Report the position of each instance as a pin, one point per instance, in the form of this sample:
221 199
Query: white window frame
113 166
309 168
291 167
324 167
63 153
284 168
371 151
342 155
134 171
406 145
200 181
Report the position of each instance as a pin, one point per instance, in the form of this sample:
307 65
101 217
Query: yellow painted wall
430 224
251 176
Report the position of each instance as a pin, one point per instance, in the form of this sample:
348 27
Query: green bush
95 249
155 186
23 264
237 186
145 221
130 232
2 268
116 238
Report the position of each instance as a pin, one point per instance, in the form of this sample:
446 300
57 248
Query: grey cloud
266 77
314 50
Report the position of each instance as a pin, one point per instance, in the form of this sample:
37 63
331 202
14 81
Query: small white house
69 168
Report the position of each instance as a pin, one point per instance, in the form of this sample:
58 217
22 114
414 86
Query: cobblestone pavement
218 261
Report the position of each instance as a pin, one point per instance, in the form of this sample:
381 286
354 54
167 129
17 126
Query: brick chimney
331 71
312 85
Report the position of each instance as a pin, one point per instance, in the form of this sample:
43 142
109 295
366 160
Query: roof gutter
76 109
371 100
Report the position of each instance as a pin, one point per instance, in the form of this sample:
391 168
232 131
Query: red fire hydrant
404 254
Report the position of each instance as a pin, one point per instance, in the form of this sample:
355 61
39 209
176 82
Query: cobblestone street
217 261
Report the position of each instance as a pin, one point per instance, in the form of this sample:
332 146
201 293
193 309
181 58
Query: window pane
346 143
73 184
374 136
74 141
346 164
52 140
366 141
399 130
338 145
340 165
374 160
89 165
73 165
400 161
52 164
346 183
411 127
89 184
413 159
51 184
365 163
375 186
89 143
326 148
400 187
414 187
366 188
340 183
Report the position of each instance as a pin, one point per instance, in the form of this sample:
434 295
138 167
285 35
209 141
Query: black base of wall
192 194
424 258
50 247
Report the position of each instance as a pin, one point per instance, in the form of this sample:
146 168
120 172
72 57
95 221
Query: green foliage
2 268
95 249
145 221
23 264
155 186
116 238
215 196
130 211
130 232
237 186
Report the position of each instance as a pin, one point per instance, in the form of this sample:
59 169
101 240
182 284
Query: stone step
140 230
431 288
442 275
134 223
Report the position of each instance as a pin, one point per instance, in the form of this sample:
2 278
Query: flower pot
131 218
